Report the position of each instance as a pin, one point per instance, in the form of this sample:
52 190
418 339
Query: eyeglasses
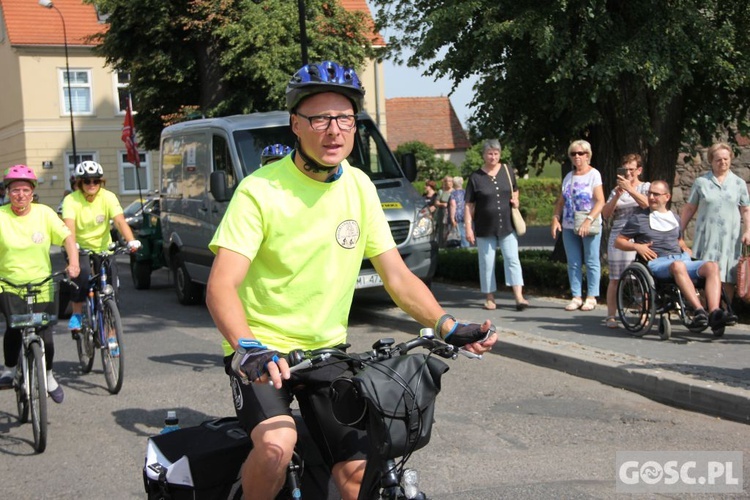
651 193
322 122
92 181
578 153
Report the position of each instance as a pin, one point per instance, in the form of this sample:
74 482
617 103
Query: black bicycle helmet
327 76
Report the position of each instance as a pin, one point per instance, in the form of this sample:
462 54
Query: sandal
612 322
589 305
490 305
574 304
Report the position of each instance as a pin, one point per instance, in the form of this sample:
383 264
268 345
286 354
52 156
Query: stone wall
690 167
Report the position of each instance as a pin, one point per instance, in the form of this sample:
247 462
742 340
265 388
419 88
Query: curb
631 373
619 370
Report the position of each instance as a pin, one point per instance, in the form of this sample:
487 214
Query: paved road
505 429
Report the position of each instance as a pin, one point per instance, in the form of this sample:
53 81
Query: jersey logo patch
347 234
37 237
99 219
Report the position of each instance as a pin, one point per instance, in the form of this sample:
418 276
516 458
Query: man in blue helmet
273 153
288 252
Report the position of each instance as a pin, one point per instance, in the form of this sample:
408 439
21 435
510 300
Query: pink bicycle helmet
19 173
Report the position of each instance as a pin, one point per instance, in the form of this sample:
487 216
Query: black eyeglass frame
329 119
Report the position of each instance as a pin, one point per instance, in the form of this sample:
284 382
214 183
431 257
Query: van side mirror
409 165
218 186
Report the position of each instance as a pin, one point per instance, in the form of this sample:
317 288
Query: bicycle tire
112 364
85 340
22 395
38 396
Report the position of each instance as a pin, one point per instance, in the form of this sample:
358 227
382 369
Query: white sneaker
54 389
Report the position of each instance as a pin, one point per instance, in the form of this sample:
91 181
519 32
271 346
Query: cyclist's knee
348 477
273 442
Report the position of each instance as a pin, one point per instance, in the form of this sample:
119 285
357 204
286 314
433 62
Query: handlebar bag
394 399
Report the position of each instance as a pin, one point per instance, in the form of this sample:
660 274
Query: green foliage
635 76
539 271
537 199
429 166
220 57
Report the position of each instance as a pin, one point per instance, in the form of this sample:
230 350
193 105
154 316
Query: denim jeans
487 248
581 251
659 267
462 232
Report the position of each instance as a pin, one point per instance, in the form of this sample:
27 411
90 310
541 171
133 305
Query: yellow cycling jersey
92 219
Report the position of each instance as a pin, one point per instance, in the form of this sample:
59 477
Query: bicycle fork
28 340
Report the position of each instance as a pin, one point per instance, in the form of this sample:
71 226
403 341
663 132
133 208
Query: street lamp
302 27
49 5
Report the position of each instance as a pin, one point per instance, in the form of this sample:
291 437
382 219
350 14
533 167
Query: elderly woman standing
581 192
490 193
441 215
457 209
721 199
629 195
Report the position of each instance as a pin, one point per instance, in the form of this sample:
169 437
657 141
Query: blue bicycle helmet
274 152
327 76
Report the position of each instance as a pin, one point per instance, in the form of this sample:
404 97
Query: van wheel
141 274
188 292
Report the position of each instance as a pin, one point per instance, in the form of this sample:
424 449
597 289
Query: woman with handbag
491 191
723 225
578 215
629 195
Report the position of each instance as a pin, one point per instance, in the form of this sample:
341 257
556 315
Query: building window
122 87
128 181
80 92
70 163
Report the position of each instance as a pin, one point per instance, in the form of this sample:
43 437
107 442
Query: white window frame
62 72
123 164
117 86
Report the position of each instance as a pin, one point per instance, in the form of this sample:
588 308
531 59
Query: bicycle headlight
108 290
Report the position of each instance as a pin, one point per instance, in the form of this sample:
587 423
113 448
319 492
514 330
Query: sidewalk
692 371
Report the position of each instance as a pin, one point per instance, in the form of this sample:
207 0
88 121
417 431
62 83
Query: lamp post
302 30
49 5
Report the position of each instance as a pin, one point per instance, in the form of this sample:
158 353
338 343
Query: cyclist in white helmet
87 212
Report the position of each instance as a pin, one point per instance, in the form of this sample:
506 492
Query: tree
648 76
429 166
219 57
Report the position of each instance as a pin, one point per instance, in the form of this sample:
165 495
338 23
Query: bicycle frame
99 290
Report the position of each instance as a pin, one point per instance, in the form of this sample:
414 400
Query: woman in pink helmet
27 230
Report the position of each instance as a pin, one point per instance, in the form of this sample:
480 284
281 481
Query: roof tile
431 120
28 23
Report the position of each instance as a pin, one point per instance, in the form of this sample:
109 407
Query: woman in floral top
581 192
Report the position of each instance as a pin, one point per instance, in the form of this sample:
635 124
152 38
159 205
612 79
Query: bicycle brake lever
469 354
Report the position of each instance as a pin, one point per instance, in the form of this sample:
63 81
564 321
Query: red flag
128 136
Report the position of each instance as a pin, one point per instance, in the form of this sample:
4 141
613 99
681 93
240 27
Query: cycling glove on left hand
250 359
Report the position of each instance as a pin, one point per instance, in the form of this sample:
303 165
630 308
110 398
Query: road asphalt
692 371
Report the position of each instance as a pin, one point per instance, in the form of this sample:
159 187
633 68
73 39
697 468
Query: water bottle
171 423
114 347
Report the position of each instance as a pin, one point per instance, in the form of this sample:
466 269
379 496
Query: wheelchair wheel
665 327
635 299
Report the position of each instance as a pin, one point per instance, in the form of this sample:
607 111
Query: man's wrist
441 322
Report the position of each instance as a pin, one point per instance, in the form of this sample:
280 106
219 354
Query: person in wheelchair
656 237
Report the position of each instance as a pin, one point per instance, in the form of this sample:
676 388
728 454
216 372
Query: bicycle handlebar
381 350
119 249
31 285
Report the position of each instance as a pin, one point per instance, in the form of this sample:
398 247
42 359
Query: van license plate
368 280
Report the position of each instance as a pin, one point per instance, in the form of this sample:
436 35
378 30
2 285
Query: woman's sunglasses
92 181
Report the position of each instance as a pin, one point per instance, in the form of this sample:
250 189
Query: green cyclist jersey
25 242
92 218
305 240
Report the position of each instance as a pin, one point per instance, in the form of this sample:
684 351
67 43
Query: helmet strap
310 164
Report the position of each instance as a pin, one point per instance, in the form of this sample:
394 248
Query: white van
202 162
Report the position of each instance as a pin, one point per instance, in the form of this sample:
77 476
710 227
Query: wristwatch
590 218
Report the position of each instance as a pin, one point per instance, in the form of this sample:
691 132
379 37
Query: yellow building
36 127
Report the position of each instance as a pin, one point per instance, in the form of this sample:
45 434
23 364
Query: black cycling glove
467 333
250 359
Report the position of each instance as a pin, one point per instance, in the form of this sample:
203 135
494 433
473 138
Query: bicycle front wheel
112 350
85 341
38 396
22 393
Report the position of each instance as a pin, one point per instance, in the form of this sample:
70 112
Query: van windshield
370 154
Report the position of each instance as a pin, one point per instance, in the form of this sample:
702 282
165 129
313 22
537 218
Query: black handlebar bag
394 400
